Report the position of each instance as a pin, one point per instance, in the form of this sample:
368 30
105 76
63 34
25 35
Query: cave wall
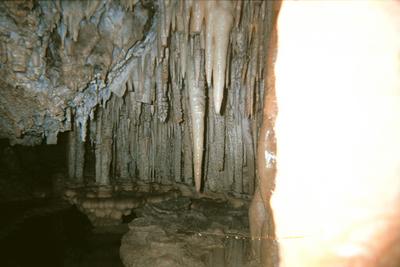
123 77
51 52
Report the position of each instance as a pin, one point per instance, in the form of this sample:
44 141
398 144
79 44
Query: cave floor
181 231
187 231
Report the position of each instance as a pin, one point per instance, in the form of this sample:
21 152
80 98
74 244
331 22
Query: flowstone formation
108 205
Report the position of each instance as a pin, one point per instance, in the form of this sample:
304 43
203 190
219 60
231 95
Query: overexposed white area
338 126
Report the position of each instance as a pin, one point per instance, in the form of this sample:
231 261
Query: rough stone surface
51 52
187 232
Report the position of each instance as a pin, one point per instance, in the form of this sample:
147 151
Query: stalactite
103 147
252 69
238 12
129 4
197 106
98 152
162 73
157 125
249 171
183 54
220 23
216 146
176 81
197 18
147 79
121 157
73 14
165 21
75 157
209 19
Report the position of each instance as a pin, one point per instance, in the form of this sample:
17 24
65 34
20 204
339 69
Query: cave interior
128 131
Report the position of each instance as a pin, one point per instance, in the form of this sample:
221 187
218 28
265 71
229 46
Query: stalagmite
197 106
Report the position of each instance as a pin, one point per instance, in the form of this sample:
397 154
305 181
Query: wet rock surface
187 232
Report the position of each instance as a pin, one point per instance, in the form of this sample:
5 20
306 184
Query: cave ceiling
57 59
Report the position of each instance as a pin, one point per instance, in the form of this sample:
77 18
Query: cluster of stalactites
216 21
212 21
193 49
206 55
203 28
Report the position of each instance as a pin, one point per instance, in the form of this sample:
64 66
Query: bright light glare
338 129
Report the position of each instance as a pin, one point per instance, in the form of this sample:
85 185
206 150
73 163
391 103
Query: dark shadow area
129 218
37 227
46 239
27 172
47 236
